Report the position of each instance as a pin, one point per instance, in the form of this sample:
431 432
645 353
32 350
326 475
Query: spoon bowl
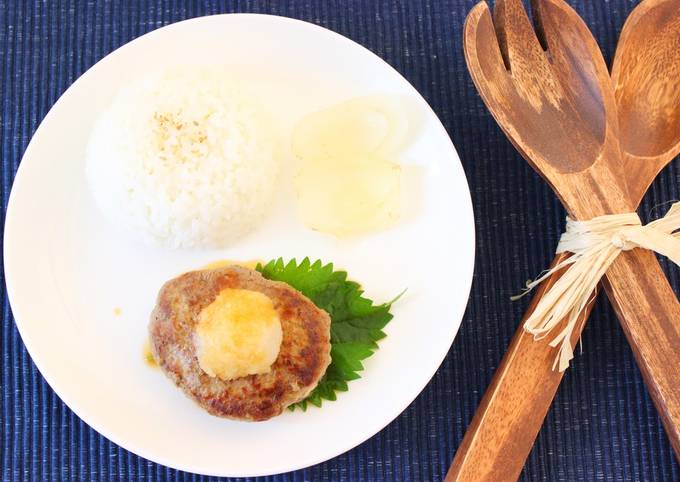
646 79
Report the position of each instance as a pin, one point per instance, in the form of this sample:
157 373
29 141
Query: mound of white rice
184 159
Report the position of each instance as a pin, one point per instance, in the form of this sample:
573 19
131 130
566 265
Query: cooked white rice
184 159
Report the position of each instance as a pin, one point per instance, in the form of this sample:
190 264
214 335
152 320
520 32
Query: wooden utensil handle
649 313
512 410
507 421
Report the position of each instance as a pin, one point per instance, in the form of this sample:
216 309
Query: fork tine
481 46
562 29
534 78
519 44
487 66
575 52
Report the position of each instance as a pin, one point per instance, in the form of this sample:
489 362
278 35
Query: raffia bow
595 244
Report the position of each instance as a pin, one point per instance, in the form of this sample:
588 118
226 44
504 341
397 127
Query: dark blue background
602 425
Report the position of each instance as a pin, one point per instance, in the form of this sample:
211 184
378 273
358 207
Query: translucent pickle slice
347 182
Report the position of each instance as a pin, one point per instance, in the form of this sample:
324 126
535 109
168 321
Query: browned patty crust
302 360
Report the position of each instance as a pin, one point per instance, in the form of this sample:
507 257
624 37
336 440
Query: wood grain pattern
645 74
646 79
506 423
512 410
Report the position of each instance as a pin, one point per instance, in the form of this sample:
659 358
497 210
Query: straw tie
595 244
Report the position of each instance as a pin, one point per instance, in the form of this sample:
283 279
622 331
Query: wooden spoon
512 410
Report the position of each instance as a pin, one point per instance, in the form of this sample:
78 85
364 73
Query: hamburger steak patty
303 357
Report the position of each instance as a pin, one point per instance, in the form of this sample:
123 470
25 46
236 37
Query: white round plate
81 290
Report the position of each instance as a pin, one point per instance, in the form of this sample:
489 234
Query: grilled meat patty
303 357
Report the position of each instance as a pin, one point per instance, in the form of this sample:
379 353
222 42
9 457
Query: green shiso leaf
356 323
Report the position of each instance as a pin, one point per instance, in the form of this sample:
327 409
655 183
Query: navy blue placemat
602 426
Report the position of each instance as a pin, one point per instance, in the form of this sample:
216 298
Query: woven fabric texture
602 425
